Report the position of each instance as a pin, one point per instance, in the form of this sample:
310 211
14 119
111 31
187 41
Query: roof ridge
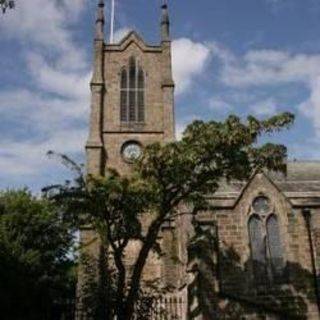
297 181
303 161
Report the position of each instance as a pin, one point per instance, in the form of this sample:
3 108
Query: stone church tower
132 105
265 259
132 97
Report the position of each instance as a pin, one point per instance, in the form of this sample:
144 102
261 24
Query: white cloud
45 114
183 123
180 127
57 107
267 107
56 80
311 107
121 33
189 59
45 23
269 67
219 104
28 158
263 68
222 53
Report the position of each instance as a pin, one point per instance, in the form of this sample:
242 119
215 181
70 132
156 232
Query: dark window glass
141 106
141 79
132 105
132 74
258 248
124 96
140 96
275 247
124 79
261 205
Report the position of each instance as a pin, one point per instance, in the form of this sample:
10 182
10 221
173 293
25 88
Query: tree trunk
119 310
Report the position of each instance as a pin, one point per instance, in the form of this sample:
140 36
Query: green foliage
185 171
6 4
37 275
211 151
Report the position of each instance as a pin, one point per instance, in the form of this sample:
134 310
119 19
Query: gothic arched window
265 242
258 247
124 96
140 95
275 247
132 100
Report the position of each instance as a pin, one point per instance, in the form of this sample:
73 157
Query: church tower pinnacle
165 22
99 34
94 146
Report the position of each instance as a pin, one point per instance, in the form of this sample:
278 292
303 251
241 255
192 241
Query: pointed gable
301 185
132 38
258 184
230 194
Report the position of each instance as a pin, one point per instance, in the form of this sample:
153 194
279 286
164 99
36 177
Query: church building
267 256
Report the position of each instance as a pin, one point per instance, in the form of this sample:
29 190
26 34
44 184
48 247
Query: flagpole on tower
112 21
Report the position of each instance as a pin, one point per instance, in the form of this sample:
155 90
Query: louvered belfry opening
132 96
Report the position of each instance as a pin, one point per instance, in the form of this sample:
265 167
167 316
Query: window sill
132 123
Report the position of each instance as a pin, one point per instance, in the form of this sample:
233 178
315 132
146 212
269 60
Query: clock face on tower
131 151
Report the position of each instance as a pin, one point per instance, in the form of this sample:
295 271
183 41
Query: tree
37 273
6 4
166 176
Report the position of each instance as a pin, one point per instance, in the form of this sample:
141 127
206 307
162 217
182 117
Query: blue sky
244 57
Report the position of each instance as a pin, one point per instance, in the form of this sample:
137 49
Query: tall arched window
132 99
275 247
265 242
258 248
124 96
140 95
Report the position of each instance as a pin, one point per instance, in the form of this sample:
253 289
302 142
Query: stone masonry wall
293 296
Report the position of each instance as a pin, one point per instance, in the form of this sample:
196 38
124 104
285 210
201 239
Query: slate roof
301 177
300 171
302 182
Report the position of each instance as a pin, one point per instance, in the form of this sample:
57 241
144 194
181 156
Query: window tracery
265 242
132 93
